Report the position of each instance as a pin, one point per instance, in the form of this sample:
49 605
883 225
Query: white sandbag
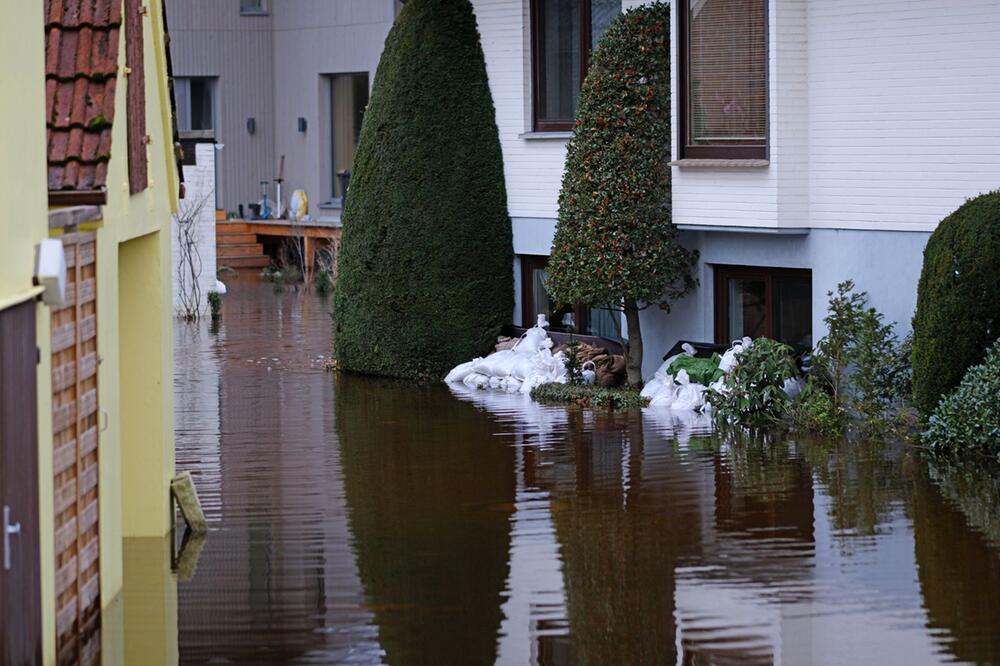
459 372
476 380
793 387
652 387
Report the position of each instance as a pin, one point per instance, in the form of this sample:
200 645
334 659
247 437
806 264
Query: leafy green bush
587 396
615 245
323 282
958 311
860 362
215 304
754 391
816 411
425 278
969 417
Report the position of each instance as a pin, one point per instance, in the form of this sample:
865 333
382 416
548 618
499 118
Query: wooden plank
89 517
87 291
88 366
63 416
63 337
88 328
88 441
69 249
66 576
73 216
63 376
88 480
90 590
66 618
65 536
87 252
64 457
88 404
88 556
65 496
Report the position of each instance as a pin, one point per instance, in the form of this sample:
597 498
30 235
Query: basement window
759 302
252 8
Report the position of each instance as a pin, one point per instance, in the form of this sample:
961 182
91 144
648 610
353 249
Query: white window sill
545 136
720 164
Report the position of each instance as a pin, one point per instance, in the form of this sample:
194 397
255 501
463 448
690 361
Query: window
195 98
349 97
764 302
723 47
563 34
252 8
535 300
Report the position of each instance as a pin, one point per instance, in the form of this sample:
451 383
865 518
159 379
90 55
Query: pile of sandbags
672 386
609 369
516 370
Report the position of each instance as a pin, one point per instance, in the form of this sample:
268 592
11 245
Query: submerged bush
587 396
816 411
969 418
958 310
860 362
425 279
754 391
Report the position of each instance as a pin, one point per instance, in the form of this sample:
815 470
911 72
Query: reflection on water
365 521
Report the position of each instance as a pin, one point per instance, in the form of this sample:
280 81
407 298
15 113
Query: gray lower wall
886 264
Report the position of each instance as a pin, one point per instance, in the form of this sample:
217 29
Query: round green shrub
969 417
958 306
426 266
615 245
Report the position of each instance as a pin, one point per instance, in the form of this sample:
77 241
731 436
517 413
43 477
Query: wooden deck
239 243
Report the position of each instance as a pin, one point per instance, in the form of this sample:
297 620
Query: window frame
726 152
255 12
541 124
185 106
724 272
529 309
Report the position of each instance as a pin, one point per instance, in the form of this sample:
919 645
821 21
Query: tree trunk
633 350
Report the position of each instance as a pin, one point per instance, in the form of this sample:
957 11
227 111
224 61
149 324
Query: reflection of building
277 567
266 78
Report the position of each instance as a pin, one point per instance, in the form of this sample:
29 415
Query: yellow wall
23 223
134 311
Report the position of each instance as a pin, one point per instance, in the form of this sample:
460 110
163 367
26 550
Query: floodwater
365 521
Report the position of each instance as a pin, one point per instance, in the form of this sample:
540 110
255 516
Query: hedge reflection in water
365 520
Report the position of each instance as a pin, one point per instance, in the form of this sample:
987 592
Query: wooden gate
75 426
20 562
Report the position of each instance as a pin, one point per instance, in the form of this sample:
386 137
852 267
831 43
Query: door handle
8 531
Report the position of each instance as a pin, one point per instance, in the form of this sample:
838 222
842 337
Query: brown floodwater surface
357 520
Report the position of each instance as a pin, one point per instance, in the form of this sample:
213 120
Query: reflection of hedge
587 396
429 491
425 277
958 309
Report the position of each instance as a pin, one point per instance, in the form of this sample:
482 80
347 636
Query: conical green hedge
425 277
958 308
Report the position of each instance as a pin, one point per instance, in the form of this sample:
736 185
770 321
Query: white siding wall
883 116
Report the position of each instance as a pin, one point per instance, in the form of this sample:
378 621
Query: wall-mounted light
302 125
251 125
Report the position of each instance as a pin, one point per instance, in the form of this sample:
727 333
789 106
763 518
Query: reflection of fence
75 454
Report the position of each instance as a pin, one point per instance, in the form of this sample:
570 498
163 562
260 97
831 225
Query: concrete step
234 238
239 250
244 262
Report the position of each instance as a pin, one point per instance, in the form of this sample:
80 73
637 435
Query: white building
814 142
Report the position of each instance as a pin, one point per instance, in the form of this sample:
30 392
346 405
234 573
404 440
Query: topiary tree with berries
615 246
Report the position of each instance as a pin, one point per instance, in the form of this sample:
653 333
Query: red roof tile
81 69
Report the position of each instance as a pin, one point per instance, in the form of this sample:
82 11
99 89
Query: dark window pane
251 6
793 311
202 116
727 73
598 321
747 314
560 319
348 102
602 13
559 59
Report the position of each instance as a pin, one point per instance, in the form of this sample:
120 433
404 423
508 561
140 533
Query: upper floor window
252 7
195 104
723 48
563 34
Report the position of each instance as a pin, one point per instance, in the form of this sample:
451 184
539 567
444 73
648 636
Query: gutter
78 197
